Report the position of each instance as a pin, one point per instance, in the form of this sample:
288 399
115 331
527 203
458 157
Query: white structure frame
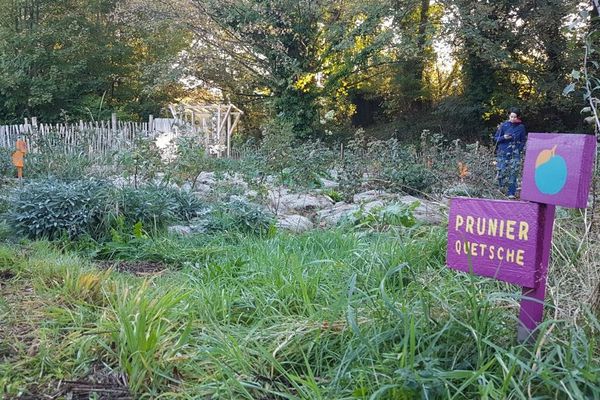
215 122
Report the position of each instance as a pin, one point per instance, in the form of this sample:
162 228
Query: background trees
77 58
314 68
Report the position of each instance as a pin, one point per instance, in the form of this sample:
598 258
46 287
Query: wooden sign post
18 157
511 240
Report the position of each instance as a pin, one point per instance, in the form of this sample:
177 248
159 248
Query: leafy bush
240 215
142 163
433 165
190 160
4 203
381 218
50 159
153 206
412 178
52 208
5 231
291 162
382 164
156 206
189 206
333 195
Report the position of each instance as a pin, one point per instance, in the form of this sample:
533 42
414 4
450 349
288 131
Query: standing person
510 141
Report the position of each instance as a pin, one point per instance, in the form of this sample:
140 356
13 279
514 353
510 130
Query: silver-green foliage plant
239 215
155 206
51 208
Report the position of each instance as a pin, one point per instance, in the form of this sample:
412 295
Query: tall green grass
339 314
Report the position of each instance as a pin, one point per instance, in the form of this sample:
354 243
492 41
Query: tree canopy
315 67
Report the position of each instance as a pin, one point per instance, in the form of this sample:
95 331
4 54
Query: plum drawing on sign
550 171
558 169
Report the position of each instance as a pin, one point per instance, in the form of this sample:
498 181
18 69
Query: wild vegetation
99 300
312 264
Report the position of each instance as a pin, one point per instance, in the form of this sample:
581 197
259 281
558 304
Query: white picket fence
213 124
96 139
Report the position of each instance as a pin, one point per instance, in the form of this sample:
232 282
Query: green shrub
333 195
292 162
412 178
6 232
51 208
156 206
51 160
142 162
189 206
150 205
381 218
190 160
4 203
240 215
55 164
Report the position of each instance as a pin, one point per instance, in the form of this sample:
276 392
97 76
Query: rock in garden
202 188
332 215
294 223
281 203
428 212
329 184
207 178
185 230
372 195
367 207
182 230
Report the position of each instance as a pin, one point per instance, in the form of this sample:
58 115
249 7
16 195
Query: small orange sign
18 157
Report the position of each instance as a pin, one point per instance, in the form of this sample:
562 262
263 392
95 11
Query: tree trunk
419 68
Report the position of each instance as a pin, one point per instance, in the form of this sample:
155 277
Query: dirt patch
139 268
101 383
6 275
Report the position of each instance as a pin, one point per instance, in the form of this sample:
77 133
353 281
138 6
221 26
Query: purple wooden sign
495 238
558 169
512 240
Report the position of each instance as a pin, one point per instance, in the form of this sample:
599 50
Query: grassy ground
338 314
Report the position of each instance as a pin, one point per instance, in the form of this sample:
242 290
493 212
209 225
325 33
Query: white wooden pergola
215 122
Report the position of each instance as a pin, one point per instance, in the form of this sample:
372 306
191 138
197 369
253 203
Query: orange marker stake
18 157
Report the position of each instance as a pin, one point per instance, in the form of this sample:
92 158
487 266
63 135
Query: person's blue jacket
517 141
